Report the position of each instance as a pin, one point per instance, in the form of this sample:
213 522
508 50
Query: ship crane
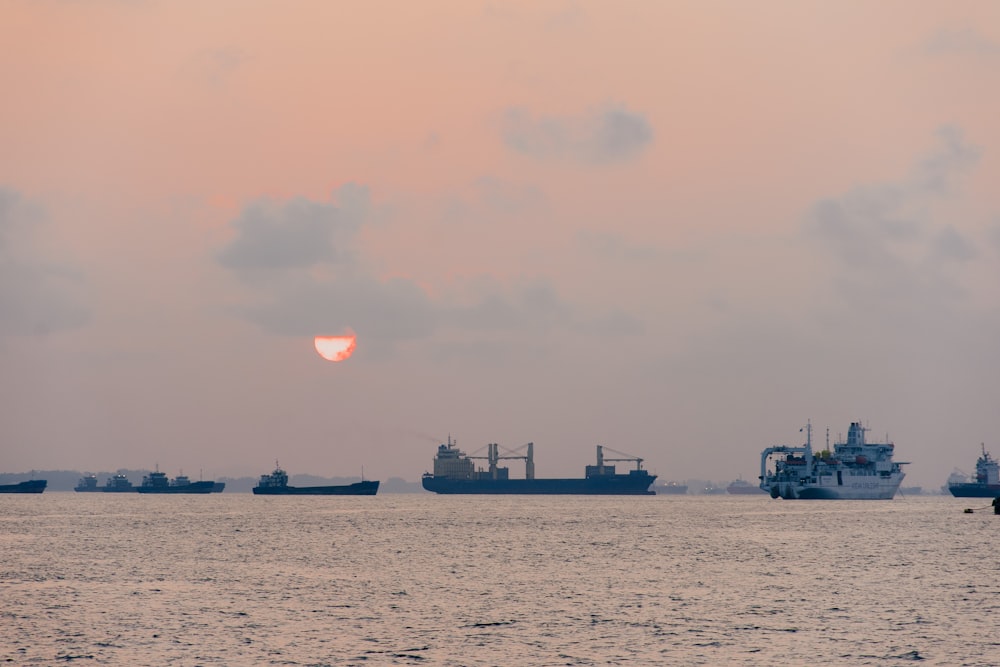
601 459
493 457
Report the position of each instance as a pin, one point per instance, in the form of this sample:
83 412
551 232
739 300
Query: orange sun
335 348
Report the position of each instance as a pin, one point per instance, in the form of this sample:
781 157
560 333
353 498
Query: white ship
854 470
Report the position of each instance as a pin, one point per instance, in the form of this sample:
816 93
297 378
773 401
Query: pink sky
676 229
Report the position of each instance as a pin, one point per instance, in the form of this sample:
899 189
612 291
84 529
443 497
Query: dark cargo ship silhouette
156 482
31 486
454 472
118 483
276 484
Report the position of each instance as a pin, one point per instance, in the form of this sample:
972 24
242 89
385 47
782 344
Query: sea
420 579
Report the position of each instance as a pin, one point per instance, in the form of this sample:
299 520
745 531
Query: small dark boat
31 486
276 484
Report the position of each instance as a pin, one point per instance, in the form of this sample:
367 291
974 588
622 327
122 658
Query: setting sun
335 348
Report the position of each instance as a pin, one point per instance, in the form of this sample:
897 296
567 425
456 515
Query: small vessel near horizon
276 484
157 482
455 473
29 486
741 487
87 484
854 470
985 484
670 488
117 483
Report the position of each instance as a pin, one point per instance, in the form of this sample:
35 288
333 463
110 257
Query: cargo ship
117 483
157 482
276 484
31 486
456 473
854 470
987 480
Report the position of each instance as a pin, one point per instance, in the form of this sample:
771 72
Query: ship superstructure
456 472
117 483
87 484
854 470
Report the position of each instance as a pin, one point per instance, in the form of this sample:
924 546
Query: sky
681 230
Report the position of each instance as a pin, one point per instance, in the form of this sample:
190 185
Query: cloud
508 198
298 233
599 137
891 248
614 246
961 41
38 295
304 273
215 67
954 158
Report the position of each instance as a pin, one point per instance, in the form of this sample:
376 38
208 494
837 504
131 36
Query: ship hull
368 488
973 490
32 486
857 489
619 485
193 487
104 490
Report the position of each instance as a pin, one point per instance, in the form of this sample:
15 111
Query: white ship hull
859 487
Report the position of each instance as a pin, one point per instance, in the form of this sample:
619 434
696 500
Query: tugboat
855 470
454 472
987 483
156 482
276 484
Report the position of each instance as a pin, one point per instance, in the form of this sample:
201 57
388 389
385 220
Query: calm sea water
234 579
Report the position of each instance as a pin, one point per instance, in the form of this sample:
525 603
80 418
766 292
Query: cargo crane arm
601 459
493 457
